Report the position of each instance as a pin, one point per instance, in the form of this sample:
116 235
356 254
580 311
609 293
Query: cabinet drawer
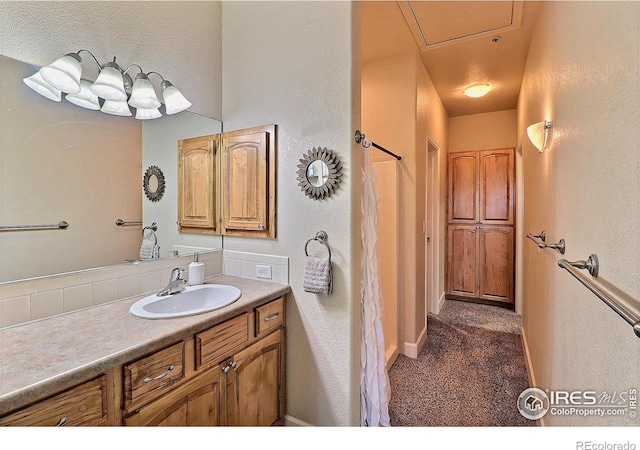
269 317
216 343
82 405
152 375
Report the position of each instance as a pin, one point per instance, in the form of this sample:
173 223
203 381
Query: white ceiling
454 40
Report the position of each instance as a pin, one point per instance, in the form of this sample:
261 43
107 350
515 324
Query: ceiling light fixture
539 134
113 85
477 90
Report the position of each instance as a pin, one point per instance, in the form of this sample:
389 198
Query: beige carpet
470 372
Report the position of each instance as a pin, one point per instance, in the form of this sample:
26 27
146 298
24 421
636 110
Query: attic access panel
436 23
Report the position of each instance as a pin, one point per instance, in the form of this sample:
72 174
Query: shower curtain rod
361 138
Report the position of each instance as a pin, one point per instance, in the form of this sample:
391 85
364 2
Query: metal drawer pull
62 422
149 379
270 318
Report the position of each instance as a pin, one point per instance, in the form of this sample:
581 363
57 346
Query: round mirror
153 183
319 173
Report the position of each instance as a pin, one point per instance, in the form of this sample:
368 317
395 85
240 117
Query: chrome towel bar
560 246
122 223
622 307
60 225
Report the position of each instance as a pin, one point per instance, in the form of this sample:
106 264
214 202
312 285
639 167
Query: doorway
431 228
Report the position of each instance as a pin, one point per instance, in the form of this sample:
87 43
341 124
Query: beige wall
483 131
582 73
400 109
296 64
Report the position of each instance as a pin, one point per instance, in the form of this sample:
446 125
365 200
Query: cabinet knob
234 365
261 227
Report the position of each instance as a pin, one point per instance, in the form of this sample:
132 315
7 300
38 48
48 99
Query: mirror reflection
317 173
60 162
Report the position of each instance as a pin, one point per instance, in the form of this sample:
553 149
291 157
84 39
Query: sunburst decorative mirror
319 173
153 183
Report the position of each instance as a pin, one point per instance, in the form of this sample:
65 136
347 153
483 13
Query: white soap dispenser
196 271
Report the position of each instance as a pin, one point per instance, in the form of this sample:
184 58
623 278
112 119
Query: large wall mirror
60 162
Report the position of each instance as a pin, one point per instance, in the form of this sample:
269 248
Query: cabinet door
195 403
463 187
197 204
248 174
496 264
255 386
497 189
82 405
462 261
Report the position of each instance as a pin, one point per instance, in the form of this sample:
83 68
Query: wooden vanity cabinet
82 405
255 384
234 376
194 403
229 374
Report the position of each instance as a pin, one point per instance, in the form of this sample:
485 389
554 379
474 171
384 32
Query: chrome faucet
175 285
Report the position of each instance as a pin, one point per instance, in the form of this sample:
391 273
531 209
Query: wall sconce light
113 85
539 134
477 90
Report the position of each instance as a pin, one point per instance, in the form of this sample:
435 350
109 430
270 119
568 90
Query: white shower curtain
374 380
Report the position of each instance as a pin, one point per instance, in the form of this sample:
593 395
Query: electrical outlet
263 272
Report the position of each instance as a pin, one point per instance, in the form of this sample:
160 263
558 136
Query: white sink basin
193 300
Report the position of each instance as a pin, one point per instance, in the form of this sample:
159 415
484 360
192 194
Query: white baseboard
530 373
290 421
440 302
413 349
391 355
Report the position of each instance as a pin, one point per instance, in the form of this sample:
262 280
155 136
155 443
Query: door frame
431 227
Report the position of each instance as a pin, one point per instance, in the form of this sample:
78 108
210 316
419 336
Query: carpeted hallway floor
470 371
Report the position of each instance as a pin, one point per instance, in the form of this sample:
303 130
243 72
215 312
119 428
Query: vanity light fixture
477 90
539 134
113 86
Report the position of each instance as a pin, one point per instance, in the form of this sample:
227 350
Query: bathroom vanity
103 366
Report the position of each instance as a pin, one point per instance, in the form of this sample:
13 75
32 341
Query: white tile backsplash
35 299
243 264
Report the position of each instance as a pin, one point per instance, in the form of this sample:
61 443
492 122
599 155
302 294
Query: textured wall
582 73
178 39
483 131
292 64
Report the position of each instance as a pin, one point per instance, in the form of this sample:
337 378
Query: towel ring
321 236
153 227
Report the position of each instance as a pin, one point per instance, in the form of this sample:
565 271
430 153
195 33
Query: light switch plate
263 271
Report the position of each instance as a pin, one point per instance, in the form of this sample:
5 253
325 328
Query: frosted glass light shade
477 90
85 97
142 94
146 114
116 108
109 85
37 83
64 73
538 134
174 101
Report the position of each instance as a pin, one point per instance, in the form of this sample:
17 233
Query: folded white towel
318 277
147 250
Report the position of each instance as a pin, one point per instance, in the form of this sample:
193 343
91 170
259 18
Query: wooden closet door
496 264
497 190
462 261
463 188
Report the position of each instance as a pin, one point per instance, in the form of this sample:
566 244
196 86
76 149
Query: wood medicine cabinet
226 183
